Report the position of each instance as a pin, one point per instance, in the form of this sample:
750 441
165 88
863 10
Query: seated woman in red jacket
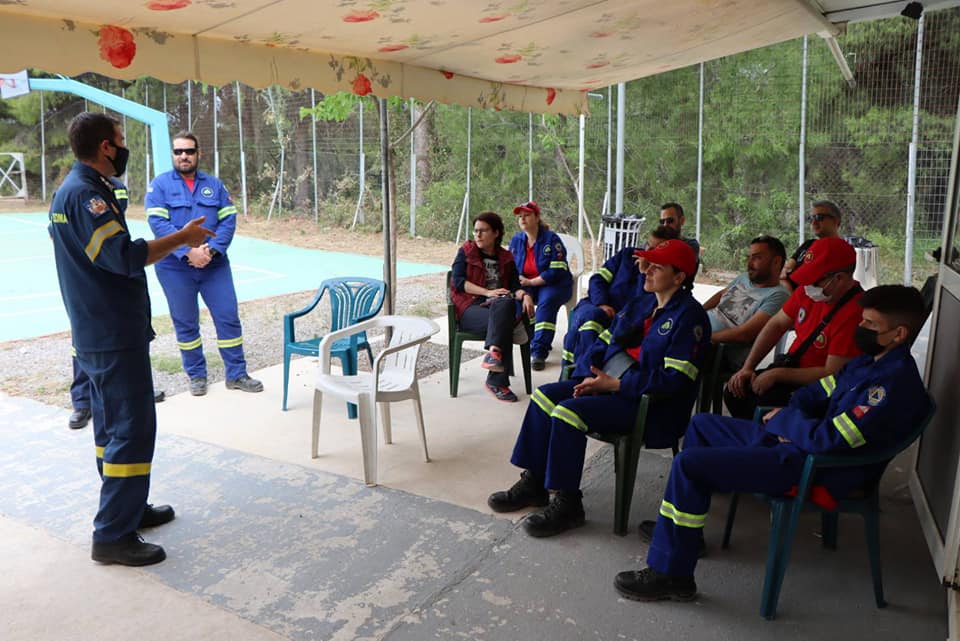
485 289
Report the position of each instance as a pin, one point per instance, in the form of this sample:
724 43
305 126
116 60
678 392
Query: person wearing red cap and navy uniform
871 404
173 198
618 281
825 285
656 345
541 260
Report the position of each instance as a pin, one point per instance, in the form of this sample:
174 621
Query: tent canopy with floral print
526 55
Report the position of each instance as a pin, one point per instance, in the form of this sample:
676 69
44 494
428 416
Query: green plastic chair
785 512
455 347
710 398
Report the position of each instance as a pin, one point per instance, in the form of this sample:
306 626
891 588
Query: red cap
529 206
676 253
825 256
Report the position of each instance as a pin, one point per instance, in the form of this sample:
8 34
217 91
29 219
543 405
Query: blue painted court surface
30 303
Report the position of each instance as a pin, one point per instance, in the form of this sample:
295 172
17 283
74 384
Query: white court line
36 310
267 274
25 221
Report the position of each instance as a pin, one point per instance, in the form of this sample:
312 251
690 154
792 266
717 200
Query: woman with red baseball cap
541 259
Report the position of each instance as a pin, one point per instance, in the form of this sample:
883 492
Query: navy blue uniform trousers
720 454
124 432
548 299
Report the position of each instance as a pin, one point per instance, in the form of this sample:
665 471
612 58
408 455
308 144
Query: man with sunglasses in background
173 199
824 222
671 215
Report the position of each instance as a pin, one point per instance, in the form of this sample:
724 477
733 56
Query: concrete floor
270 544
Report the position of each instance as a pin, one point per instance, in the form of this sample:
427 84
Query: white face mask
815 293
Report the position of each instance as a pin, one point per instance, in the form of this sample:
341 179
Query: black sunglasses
180 152
819 217
667 221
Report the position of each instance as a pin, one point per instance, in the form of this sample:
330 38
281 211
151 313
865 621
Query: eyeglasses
819 217
180 152
667 221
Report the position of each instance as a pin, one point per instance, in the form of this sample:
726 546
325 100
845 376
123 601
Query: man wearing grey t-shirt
738 312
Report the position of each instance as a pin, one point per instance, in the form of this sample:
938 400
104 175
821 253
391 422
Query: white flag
14 84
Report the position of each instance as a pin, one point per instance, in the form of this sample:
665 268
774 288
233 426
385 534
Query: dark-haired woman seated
485 290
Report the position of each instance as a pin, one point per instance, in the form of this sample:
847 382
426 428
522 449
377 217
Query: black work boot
198 386
649 585
154 515
565 512
79 418
128 550
527 492
245 384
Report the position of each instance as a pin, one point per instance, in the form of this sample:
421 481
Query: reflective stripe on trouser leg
533 442
549 299
122 395
695 475
181 286
217 290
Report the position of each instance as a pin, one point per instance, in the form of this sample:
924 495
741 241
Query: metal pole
189 107
216 137
413 174
146 139
465 208
912 167
802 164
385 186
363 171
530 156
700 154
123 94
580 213
606 200
313 132
165 100
43 152
243 158
621 125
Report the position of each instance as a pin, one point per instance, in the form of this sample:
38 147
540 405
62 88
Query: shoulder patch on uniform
876 395
97 206
206 191
665 327
821 341
546 249
698 333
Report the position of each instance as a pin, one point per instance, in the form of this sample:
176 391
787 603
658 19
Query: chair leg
317 406
368 438
627 456
418 411
527 376
731 515
785 517
768 605
385 419
456 346
871 524
348 363
286 378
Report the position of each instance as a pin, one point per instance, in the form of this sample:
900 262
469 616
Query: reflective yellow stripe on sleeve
159 212
569 417
685 367
230 342
558 264
848 430
229 210
100 234
568 356
605 336
545 325
828 383
605 274
125 470
120 194
682 519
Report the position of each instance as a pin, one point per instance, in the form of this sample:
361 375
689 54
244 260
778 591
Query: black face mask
119 161
866 340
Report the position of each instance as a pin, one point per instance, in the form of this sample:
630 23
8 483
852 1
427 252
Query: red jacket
477 274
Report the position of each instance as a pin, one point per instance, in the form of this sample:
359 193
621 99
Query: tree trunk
423 142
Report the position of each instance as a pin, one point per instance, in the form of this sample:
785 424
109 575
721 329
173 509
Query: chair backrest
575 257
353 299
410 330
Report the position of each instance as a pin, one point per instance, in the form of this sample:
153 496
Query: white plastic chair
575 260
393 378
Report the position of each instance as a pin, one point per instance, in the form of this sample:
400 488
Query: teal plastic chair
455 347
352 300
785 512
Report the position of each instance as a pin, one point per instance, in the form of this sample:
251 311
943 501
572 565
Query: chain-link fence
772 120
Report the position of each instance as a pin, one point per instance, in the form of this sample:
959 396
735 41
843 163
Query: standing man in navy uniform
173 199
104 289
872 403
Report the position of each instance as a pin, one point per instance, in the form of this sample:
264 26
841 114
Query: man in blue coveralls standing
872 403
173 199
104 288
